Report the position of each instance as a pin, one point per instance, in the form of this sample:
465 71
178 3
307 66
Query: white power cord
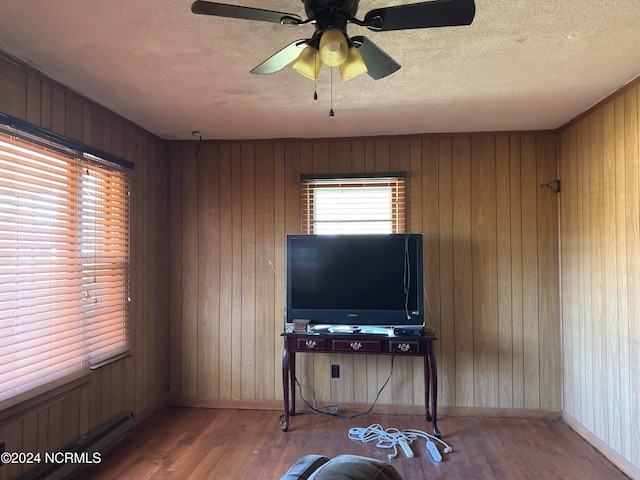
392 438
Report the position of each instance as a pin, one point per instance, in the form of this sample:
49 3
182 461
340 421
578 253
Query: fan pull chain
315 78
331 114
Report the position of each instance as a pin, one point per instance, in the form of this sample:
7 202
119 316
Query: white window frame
353 204
64 263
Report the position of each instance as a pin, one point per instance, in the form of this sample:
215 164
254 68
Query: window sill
22 405
108 361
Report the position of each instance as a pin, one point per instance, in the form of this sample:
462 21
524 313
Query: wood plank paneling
266 331
190 271
208 270
237 334
530 255
517 313
225 242
503 273
446 331
632 174
277 261
462 271
175 274
484 271
600 252
610 362
138 381
489 228
248 281
548 274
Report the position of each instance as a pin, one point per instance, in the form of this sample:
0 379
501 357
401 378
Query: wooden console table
359 344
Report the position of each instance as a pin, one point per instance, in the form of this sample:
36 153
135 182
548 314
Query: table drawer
404 346
310 344
354 345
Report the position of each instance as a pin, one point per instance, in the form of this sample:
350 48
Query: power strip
404 445
392 438
433 450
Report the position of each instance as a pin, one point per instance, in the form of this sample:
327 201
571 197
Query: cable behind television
426 297
407 276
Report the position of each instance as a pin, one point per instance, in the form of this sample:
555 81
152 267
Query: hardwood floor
189 443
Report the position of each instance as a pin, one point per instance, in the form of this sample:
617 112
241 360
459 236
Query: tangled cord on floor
392 437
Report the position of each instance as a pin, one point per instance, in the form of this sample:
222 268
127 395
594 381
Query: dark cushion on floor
342 467
304 467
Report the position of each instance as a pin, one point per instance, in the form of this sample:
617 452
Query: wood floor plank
192 443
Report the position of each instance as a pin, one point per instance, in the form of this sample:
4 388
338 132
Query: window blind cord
390 438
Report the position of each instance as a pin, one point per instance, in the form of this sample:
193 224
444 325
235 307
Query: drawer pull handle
355 345
310 343
405 347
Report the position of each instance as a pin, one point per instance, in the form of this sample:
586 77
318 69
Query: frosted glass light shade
308 63
333 47
353 66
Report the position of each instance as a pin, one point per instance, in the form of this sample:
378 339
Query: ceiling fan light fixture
333 47
308 63
353 66
330 40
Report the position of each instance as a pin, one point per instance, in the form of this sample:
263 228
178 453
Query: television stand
360 344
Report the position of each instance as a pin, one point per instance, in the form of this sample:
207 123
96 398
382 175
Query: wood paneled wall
600 251
136 383
491 269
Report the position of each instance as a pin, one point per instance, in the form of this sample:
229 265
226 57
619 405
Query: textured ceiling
521 65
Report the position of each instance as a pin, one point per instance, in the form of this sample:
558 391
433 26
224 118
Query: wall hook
552 185
194 133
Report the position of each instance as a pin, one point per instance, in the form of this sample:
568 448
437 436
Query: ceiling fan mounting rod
331 18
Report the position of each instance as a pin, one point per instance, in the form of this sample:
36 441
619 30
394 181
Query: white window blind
353 205
64 265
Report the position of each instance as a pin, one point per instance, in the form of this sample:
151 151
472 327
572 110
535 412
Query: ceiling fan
330 45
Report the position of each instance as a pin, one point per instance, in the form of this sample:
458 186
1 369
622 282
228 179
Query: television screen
355 279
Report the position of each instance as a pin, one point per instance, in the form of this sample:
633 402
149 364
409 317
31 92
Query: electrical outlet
335 371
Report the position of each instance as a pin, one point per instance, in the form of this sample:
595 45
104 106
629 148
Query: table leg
292 378
427 385
434 388
285 384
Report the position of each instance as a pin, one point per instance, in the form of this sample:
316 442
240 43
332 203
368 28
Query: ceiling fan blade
246 13
281 59
437 13
379 64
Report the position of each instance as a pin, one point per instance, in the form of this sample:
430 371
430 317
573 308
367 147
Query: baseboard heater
100 439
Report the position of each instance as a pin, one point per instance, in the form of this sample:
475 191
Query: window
353 205
64 264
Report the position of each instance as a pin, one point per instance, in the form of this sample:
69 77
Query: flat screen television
355 280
